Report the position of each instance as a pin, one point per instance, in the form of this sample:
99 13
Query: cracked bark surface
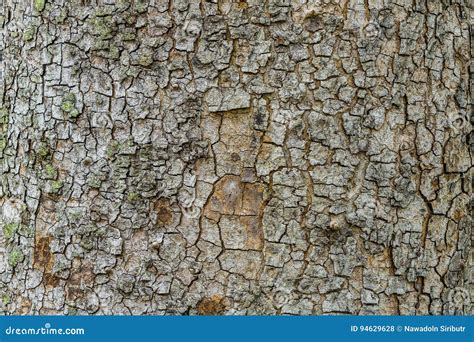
235 157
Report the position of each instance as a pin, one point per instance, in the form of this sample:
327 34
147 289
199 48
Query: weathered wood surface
235 157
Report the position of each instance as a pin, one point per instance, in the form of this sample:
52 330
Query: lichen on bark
222 157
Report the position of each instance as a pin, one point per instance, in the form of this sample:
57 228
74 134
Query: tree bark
224 157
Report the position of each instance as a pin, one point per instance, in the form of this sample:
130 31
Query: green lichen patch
68 102
56 186
3 143
128 36
15 257
68 105
43 150
114 52
39 5
145 60
103 27
74 113
87 243
4 116
50 172
100 232
10 229
133 197
29 34
141 6
94 181
112 149
6 299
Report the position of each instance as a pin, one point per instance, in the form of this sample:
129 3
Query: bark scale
221 157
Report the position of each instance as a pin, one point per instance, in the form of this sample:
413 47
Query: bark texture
235 157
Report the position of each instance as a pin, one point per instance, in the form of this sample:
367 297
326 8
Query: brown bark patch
240 202
254 234
80 279
231 196
24 306
43 259
163 210
42 253
211 306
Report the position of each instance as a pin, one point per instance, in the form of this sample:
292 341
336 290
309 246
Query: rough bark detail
235 157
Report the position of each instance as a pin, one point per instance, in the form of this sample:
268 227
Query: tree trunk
250 157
